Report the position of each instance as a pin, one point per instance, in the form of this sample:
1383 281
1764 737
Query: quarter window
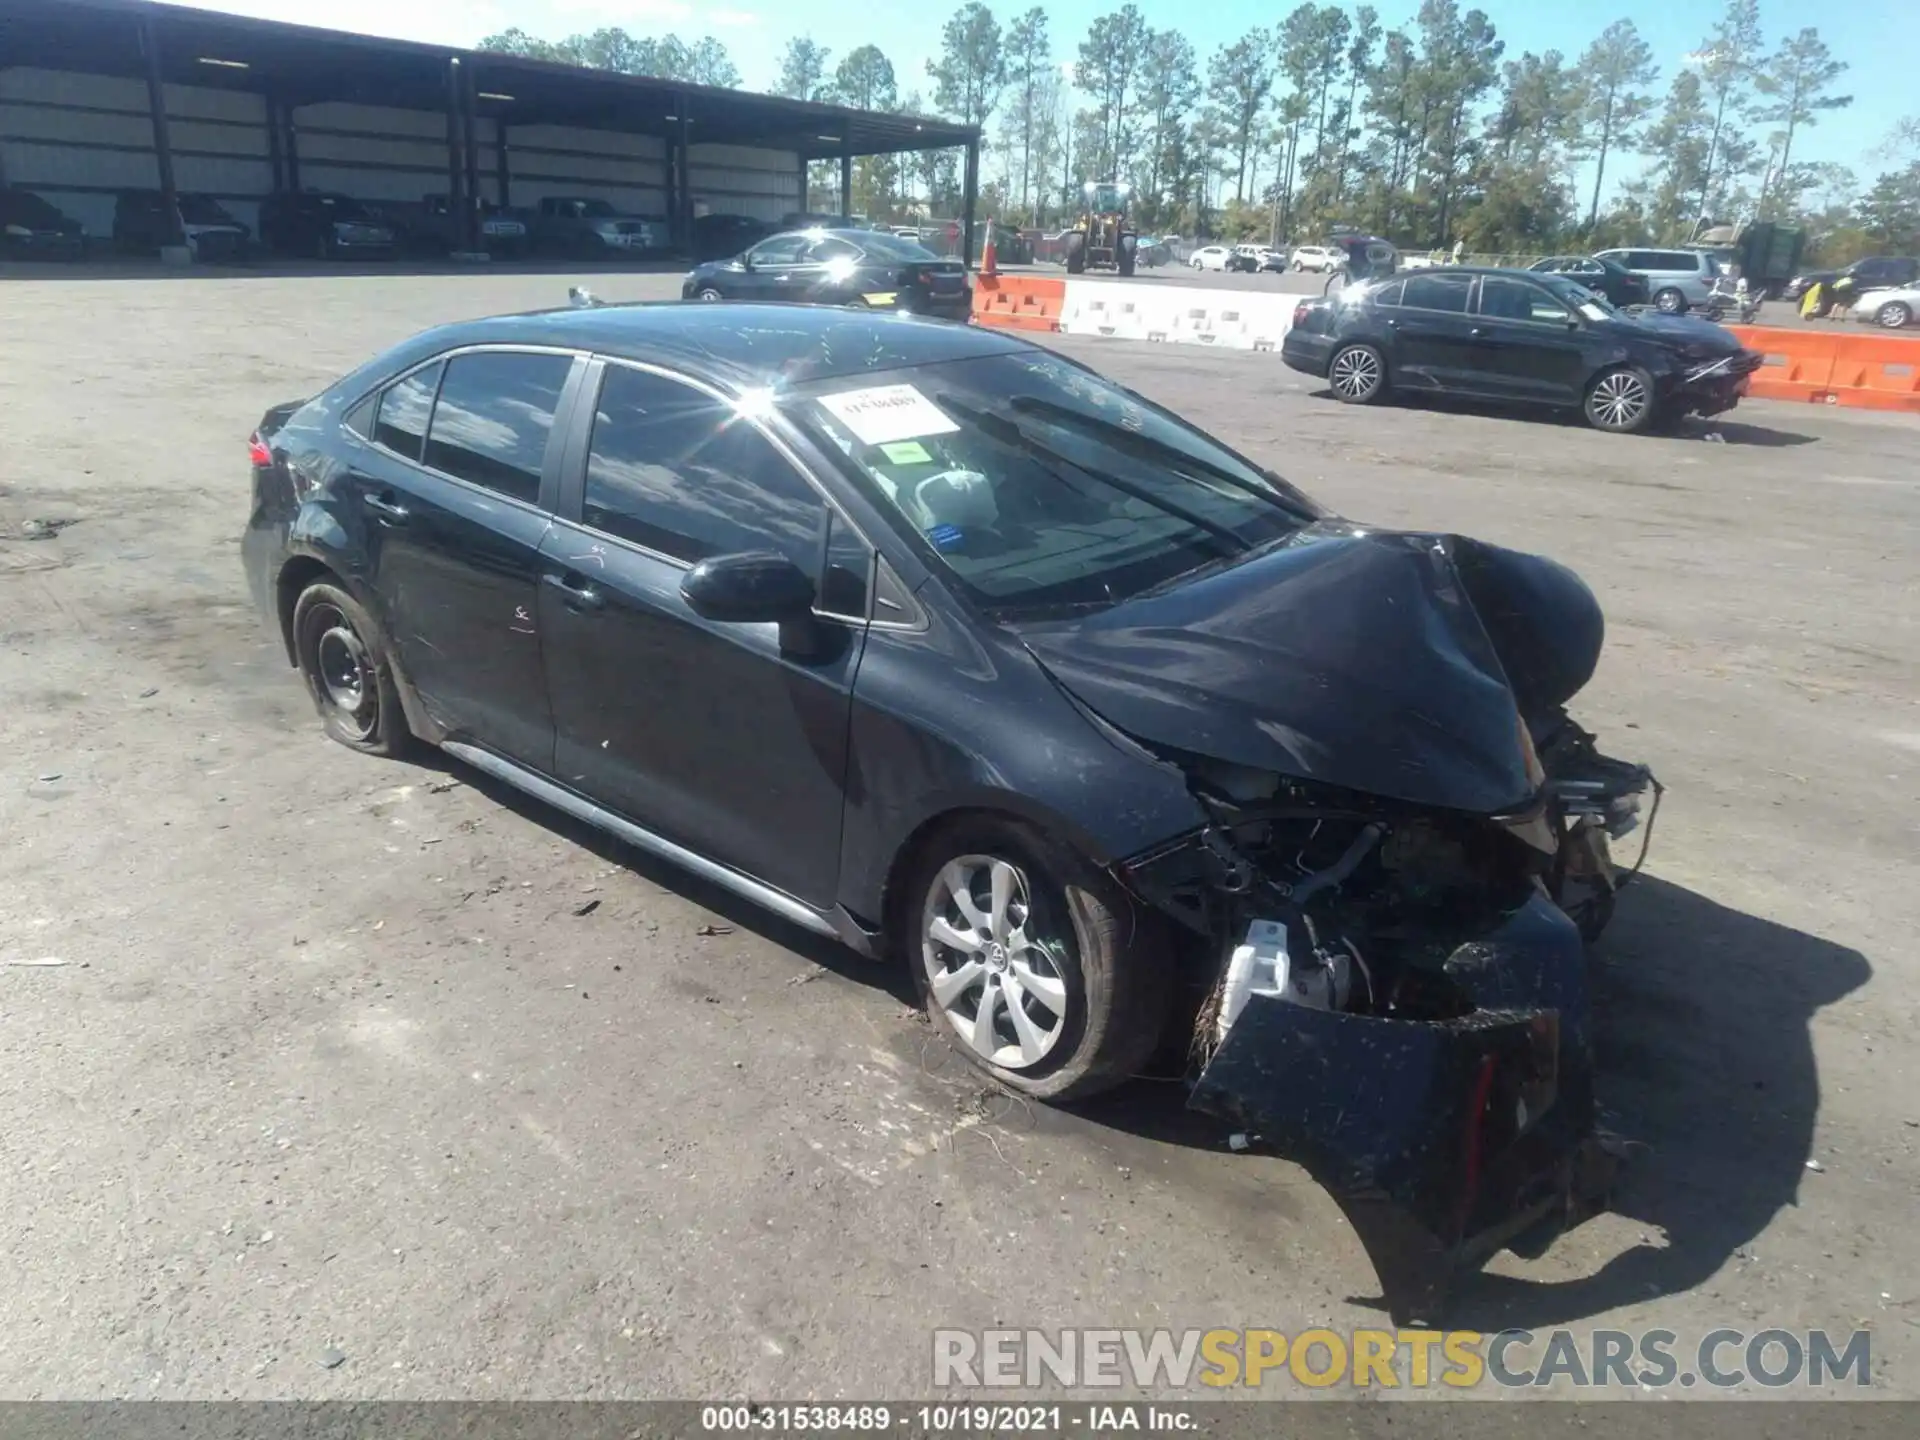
1438 292
671 468
491 423
404 408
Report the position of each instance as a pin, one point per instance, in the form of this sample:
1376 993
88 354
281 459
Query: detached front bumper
1441 1141
1714 387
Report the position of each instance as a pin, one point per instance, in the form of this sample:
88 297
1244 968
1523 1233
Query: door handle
1477 333
579 592
390 511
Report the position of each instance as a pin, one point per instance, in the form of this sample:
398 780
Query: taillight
258 451
1300 314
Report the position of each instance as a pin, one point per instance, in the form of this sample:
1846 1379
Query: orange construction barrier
990 257
1018 302
1829 366
1877 372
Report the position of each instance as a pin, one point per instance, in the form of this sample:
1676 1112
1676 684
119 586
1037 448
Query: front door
770 267
1432 344
1530 344
712 735
450 494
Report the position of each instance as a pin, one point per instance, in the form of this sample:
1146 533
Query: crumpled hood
1354 658
1690 334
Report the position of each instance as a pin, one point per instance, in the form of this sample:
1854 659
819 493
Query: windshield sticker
887 413
946 537
906 452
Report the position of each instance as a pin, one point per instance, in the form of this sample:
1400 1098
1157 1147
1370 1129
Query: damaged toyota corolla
930 639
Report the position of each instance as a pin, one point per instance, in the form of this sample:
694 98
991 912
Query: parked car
1276 260
864 268
206 228
1316 257
325 225
927 639
1844 287
581 227
1676 280
1894 309
1804 281
1607 277
32 228
431 226
717 237
1209 257
1538 339
1246 258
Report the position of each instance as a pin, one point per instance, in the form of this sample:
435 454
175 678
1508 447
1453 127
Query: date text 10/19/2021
1089 1419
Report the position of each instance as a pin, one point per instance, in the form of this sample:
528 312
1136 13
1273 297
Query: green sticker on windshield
906 452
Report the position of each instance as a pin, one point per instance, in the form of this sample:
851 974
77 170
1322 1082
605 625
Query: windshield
895 247
25 207
596 209
1038 486
201 210
1590 303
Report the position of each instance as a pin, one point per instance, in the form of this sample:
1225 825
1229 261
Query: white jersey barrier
1177 314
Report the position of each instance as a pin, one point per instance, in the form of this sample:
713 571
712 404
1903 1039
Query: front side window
680 472
493 417
1438 292
1504 298
781 250
401 423
1038 486
832 248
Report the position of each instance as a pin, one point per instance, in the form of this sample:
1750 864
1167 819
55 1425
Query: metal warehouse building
97 96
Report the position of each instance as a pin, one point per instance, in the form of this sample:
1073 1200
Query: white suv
1677 280
1315 257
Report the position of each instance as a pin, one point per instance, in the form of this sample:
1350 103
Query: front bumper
44 245
1307 352
1714 389
1441 1141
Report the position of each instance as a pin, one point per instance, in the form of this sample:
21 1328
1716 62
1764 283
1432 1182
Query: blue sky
1873 36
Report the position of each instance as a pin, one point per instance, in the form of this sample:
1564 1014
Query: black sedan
31 228
930 640
866 269
1513 335
1598 273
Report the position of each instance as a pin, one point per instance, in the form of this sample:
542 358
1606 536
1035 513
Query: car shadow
1693 427
1706 1072
737 912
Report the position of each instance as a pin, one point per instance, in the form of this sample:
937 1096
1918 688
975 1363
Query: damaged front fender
1441 1140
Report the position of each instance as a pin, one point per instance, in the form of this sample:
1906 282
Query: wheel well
295 576
893 895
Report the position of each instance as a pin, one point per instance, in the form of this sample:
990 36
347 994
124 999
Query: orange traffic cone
989 260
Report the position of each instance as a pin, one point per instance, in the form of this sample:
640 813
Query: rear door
454 495
1528 344
1431 333
712 735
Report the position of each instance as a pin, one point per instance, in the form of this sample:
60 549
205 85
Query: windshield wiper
1143 446
1016 436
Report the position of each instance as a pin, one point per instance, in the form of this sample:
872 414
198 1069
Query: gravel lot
366 1079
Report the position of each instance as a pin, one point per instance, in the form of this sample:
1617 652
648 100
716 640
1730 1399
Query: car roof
742 344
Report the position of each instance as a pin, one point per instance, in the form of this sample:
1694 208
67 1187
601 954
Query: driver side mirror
754 587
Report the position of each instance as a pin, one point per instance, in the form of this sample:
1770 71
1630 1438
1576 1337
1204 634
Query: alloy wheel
1355 374
1895 315
991 970
1669 301
1618 400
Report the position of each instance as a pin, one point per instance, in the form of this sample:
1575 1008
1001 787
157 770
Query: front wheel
344 663
1670 301
1894 315
1358 374
708 294
1620 401
1041 968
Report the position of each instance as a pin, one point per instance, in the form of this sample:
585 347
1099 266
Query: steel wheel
1356 374
991 968
1894 315
344 671
1619 400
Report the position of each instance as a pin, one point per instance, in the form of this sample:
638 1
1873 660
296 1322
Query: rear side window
401 425
833 248
1388 294
491 423
671 468
1437 292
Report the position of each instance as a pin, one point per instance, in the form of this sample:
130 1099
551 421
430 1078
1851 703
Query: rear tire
1670 301
1125 261
1894 315
1620 401
1072 938
1077 257
1357 374
344 662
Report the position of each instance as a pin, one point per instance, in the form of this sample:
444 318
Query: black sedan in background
866 269
1537 339
929 639
1599 274
32 228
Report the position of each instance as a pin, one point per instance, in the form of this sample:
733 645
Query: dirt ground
367 1079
